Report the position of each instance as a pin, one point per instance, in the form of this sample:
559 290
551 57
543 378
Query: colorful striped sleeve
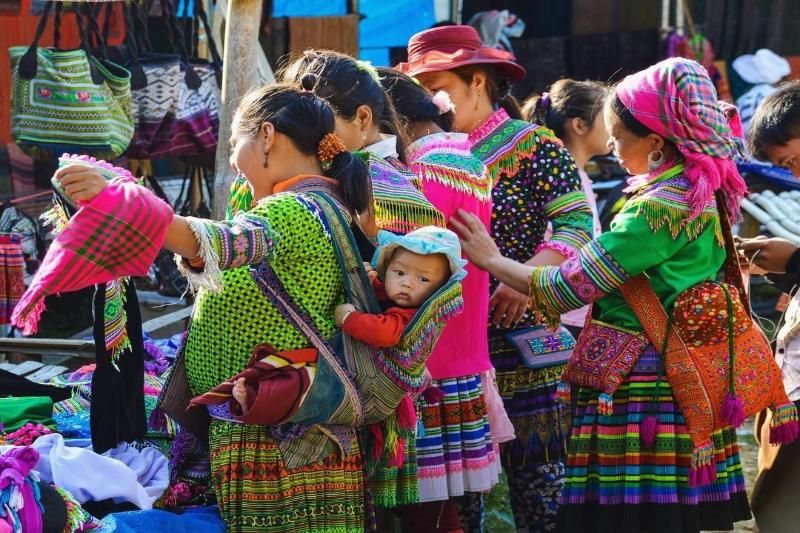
566 206
604 264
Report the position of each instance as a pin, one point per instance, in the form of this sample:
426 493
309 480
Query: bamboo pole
242 24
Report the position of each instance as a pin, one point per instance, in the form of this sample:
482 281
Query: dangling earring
363 141
654 160
266 159
477 101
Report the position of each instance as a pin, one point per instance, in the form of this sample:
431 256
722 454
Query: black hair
413 102
499 88
346 85
776 120
305 119
626 117
568 99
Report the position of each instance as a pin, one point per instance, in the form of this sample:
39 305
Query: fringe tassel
563 393
733 410
157 420
784 427
702 471
406 415
676 218
648 430
605 404
26 315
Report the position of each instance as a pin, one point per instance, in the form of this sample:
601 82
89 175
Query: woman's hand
81 183
476 243
507 306
341 312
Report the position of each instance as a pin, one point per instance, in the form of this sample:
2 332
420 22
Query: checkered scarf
116 235
677 100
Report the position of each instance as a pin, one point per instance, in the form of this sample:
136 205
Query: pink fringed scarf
676 99
117 234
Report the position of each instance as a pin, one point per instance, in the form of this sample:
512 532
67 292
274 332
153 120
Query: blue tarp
390 24
308 8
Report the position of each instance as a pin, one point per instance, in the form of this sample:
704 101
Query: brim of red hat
439 61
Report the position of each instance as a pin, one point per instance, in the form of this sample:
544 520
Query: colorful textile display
12 273
20 503
455 451
117 234
606 453
399 206
123 473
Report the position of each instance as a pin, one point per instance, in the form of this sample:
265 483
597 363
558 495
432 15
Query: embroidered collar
639 183
454 143
495 120
291 183
386 147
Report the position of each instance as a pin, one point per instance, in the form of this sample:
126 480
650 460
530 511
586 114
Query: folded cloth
123 473
20 505
276 384
15 412
205 519
117 234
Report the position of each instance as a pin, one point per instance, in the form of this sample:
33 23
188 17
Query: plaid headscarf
676 99
117 234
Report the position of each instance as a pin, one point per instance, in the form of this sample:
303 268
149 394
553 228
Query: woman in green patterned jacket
266 478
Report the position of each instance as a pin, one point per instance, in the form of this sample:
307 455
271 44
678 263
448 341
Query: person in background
573 110
367 121
775 137
457 451
632 464
534 181
764 70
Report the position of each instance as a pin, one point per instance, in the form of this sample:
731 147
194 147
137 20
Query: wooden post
242 25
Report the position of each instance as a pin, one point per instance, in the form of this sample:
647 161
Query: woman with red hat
535 181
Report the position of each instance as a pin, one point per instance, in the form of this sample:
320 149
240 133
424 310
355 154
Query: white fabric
122 474
787 349
765 66
386 147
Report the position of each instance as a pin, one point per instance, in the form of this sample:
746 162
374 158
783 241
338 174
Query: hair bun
309 81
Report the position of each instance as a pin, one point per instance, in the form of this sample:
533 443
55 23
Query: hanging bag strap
177 42
216 59
28 63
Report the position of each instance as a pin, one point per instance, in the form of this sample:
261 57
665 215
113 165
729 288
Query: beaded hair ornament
329 147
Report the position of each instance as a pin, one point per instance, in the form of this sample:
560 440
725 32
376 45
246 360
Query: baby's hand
240 393
341 313
371 272
80 182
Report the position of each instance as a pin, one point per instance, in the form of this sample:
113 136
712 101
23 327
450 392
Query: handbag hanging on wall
68 100
178 107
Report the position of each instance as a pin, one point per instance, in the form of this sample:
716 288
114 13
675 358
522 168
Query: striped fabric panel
577 282
571 218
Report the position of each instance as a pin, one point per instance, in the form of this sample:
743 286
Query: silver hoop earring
655 159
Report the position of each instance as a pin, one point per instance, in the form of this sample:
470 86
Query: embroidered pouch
603 357
541 347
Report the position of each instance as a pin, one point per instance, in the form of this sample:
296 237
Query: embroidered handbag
178 107
68 101
603 357
541 347
717 360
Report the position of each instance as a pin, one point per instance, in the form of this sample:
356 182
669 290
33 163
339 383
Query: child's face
786 155
412 278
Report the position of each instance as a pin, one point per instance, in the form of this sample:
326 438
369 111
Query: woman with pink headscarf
632 465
